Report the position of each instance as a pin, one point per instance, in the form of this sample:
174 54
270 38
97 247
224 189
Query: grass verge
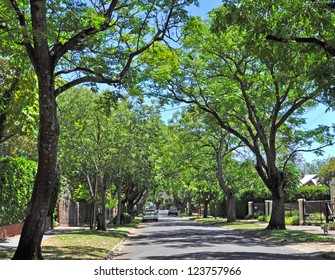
256 228
292 236
81 244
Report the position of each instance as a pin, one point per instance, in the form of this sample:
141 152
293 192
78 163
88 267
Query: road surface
173 238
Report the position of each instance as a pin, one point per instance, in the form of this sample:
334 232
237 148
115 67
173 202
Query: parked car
150 215
172 211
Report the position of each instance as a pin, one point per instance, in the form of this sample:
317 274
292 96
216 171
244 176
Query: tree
314 166
202 129
82 42
18 114
304 25
109 148
137 148
86 147
254 89
327 172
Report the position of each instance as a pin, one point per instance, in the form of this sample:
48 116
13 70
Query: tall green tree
108 147
82 42
219 144
304 26
86 147
254 89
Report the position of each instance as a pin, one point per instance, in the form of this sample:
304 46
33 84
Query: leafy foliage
310 193
327 171
16 185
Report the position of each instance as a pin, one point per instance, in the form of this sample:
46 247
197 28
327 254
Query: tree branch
86 79
328 48
22 22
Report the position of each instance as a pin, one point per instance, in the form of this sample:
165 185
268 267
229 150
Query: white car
150 215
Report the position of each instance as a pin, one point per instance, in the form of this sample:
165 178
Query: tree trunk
102 224
131 207
33 229
205 213
277 220
189 203
231 206
93 215
230 197
119 206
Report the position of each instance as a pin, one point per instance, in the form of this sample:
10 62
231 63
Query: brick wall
11 230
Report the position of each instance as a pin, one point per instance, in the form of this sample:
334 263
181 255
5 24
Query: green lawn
81 244
258 229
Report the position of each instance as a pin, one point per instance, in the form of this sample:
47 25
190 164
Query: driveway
173 238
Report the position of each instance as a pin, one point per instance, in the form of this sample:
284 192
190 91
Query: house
309 180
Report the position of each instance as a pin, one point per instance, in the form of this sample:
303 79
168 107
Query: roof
309 178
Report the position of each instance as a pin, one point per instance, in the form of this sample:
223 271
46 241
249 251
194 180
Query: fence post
268 209
250 209
301 211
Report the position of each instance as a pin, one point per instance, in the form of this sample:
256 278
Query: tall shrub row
321 192
16 185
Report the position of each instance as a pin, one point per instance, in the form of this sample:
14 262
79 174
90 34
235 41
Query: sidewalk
311 229
12 242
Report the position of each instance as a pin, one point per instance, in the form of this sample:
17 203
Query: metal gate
318 212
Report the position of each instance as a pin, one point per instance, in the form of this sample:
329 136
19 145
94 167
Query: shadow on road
235 256
177 239
195 237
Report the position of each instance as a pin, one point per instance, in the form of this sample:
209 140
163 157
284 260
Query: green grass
292 236
6 254
81 244
258 229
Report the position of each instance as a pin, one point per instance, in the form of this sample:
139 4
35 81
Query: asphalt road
173 238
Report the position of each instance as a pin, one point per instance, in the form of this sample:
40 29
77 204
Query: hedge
16 185
309 193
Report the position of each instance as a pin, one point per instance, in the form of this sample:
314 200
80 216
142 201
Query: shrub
312 193
16 184
261 218
125 219
292 220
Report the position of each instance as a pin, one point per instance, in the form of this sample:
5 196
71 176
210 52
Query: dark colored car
173 211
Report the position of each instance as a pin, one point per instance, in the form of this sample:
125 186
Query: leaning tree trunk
32 233
33 229
277 220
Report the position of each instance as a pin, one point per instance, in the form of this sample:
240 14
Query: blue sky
205 6
316 117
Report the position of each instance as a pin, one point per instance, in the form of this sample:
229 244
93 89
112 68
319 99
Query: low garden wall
11 230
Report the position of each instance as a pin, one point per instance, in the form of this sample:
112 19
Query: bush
16 185
311 193
261 218
125 219
292 220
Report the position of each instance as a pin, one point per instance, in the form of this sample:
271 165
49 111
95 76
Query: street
173 238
